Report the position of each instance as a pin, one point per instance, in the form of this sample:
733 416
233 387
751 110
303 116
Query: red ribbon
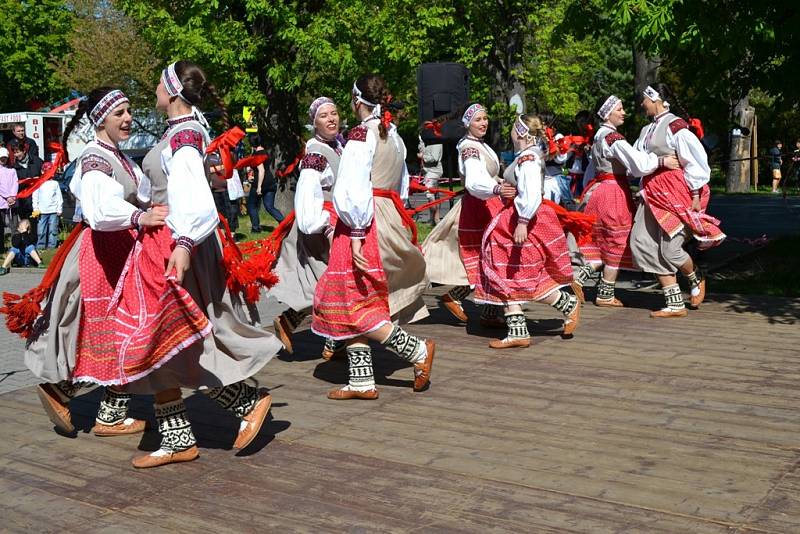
566 142
408 222
289 169
251 161
435 126
224 145
33 184
416 187
696 127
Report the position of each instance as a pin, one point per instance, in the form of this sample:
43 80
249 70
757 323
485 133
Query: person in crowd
9 187
431 157
28 145
775 164
47 205
23 251
262 190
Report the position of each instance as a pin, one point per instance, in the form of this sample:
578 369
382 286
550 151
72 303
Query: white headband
106 105
317 105
521 128
607 107
171 81
376 108
653 95
470 113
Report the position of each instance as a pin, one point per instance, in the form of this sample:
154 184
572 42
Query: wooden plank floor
634 425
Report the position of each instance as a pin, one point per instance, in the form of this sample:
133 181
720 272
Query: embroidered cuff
523 220
328 230
496 190
135 216
695 192
185 242
358 233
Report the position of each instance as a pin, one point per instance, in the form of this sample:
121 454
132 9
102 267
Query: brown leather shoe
508 343
667 313
695 302
348 394
610 303
573 320
57 411
454 307
161 457
283 331
577 289
128 426
253 420
422 371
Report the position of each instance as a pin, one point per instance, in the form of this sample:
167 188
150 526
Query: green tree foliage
31 33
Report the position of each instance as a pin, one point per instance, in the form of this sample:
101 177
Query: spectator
47 205
796 158
431 156
262 190
775 162
23 249
27 165
29 145
9 187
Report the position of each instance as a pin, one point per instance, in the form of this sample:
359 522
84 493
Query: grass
772 270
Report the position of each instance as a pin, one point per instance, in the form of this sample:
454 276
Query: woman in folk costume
608 197
304 251
235 350
524 250
452 250
674 202
89 282
353 299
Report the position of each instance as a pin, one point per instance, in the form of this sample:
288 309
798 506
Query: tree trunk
645 71
738 178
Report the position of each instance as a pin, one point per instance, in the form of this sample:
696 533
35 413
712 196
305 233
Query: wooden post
738 177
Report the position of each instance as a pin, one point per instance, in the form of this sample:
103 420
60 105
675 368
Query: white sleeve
192 212
637 162
352 192
36 195
144 190
59 200
404 184
693 158
102 202
529 189
477 180
308 200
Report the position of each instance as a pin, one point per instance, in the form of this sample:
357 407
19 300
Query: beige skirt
302 261
653 250
442 256
403 264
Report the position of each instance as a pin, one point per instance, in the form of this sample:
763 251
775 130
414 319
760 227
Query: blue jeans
47 231
22 260
267 198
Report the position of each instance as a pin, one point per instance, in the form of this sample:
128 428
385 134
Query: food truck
42 127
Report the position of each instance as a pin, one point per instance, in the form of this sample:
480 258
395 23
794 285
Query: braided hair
196 88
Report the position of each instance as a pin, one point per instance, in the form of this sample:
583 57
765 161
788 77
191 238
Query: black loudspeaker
441 89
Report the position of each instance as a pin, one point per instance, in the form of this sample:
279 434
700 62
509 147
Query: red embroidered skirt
476 214
610 200
670 200
347 301
514 274
133 318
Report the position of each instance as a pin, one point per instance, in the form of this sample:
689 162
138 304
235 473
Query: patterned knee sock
565 303
113 407
176 431
238 398
408 347
360 359
517 326
459 293
694 282
294 318
489 312
605 289
674 298
584 273
334 345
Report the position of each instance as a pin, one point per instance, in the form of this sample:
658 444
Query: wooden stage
635 425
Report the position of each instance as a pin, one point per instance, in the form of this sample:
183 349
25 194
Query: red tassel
386 118
224 145
435 126
48 171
